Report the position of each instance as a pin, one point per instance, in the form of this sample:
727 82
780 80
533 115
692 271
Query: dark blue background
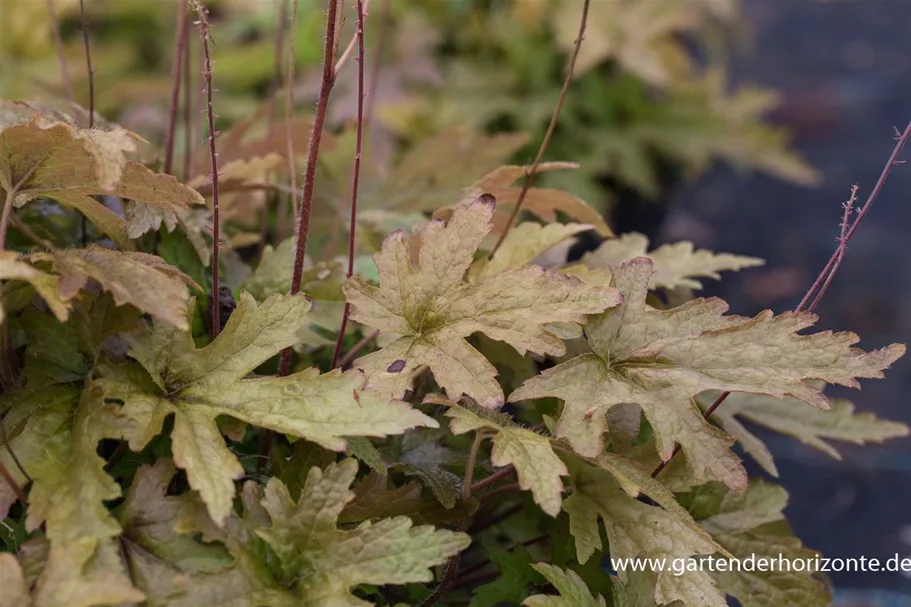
845 70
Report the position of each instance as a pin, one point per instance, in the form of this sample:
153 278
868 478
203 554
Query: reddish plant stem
337 219
570 68
840 251
91 74
499 491
355 40
493 478
901 141
180 49
349 356
319 121
61 57
203 14
356 172
824 278
306 199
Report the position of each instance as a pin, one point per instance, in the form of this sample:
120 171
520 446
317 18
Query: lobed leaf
433 312
305 537
140 279
544 203
573 591
751 524
198 385
674 265
173 568
661 359
794 418
635 529
537 466
41 157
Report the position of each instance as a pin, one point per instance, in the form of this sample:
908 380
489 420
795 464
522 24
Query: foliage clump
150 458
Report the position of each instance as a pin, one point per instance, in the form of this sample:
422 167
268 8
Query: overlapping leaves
752 525
661 360
538 467
304 535
635 529
40 157
793 418
674 265
427 304
140 279
171 376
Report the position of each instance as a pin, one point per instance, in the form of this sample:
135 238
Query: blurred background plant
651 106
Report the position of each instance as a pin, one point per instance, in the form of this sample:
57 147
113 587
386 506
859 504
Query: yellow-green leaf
752 525
40 156
198 385
46 285
325 562
544 203
538 467
674 265
527 241
15 590
635 529
661 359
794 418
145 281
573 591
432 310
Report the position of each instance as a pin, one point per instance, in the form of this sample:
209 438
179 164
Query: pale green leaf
433 311
674 265
637 591
175 569
661 359
752 525
42 157
637 36
198 385
83 575
321 282
57 445
573 591
525 242
793 418
46 285
537 466
635 529
145 281
327 562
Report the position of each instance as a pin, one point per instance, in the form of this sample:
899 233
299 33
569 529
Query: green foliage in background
496 428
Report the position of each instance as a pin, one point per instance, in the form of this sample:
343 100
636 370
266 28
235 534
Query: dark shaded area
845 70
